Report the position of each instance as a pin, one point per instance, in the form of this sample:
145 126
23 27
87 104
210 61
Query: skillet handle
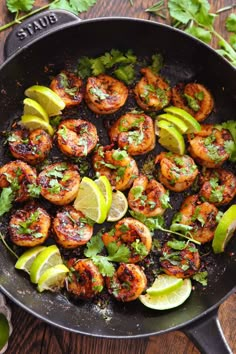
35 27
206 333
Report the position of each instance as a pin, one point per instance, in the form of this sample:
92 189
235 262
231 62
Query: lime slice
164 284
47 98
44 260
33 108
106 189
25 261
225 230
168 301
170 138
119 206
4 330
90 201
53 278
188 119
177 122
33 122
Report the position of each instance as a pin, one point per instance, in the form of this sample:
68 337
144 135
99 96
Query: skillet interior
186 59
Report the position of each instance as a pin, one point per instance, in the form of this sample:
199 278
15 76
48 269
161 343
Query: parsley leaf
19 5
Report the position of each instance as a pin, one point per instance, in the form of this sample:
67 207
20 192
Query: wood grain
33 336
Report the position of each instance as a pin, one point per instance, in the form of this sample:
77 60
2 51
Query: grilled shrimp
105 94
176 172
135 235
208 147
152 92
193 98
20 176
128 282
148 197
218 186
31 147
29 226
202 216
85 281
70 228
116 165
69 87
181 264
76 137
133 133
59 183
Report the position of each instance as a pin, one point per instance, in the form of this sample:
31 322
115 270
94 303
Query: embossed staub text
32 28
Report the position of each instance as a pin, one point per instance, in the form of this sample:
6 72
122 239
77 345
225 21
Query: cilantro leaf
105 267
183 11
201 277
231 126
6 199
200 33
81 5
118 253
125 73
157 63
177 245
94 246
232 41
19 5
230 23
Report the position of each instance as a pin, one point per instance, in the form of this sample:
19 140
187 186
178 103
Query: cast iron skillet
49 39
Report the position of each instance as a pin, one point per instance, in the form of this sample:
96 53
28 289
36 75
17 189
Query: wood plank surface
33 336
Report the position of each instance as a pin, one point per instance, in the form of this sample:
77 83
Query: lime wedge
47 98
53 278
33 122
170 138
177 122
188 119
119 206
164 284
46 259
90 201
4 330
33 108
225 230
168 301
106 189
25 261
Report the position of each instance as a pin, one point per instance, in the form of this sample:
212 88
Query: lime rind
53 278
170 138
4 331
88 190
177 122
106 189
41 264
47 98
188 119
164 284
26 260
168 301
32 107
224 230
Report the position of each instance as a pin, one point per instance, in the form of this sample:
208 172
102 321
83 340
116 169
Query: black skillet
51 39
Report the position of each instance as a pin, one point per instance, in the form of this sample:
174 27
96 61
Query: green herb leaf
231 126
105 267
232 41
19 5
125 73
6 199
94 246
177 245
200 33
118 253
201 277
231 23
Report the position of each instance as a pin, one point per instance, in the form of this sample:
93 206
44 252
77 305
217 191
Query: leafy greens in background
18 7
195 18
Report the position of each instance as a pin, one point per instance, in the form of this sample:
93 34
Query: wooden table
30 335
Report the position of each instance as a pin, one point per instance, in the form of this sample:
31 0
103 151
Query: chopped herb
201 277
192 102
99 93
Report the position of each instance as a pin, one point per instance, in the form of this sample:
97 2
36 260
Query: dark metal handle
36 27
206 333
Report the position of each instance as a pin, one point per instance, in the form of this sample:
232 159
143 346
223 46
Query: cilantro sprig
115 254
25 8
